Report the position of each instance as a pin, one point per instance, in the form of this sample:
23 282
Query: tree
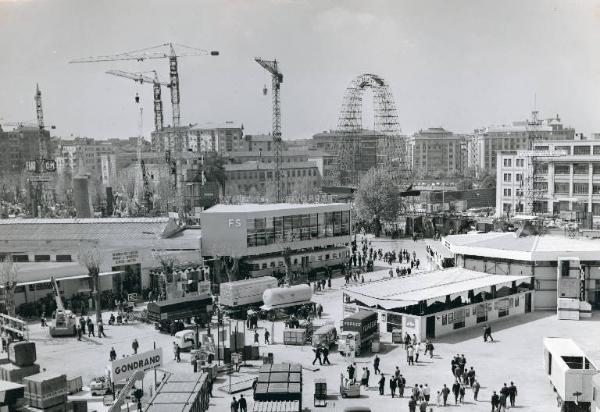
8 280
214 170
377 198
167 262
487 181
89 256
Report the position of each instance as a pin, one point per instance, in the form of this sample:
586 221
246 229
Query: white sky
457 64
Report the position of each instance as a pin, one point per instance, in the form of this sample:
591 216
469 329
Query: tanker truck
286 298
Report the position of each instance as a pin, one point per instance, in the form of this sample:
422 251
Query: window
596 150
507 162
507 192
581 150
518 177
562 188
596 189
580 169
520 162
20 258
580 188
42 258
507 177
562 170
564 148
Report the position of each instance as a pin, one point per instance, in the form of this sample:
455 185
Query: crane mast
276 79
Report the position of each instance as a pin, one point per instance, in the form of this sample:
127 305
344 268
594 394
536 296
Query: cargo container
245 292
569 371
22 353
181 392
286 297
13 373
279 383
326 335
294 336
44 390
358 332
181 308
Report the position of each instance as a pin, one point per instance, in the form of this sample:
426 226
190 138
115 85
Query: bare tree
8 279
89 256
167 262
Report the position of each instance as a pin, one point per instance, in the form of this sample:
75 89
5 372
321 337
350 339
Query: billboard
122 369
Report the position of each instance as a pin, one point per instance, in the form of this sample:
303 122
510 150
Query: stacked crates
279 382
22 357
46 390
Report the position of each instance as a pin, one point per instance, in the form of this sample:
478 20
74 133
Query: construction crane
155 52
64 322
156 84
276 79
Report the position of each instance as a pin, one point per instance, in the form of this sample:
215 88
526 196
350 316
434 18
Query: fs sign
234 223
122 369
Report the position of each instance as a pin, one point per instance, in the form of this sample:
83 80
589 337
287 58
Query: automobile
99 385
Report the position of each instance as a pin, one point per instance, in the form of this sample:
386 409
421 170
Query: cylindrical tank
288 296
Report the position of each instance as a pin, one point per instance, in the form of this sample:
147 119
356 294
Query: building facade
489 141
436 152
20 145
567 178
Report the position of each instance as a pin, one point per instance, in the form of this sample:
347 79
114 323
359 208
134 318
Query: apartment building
436 152
567 178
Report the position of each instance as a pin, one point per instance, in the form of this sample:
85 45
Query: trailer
358 332
326 335
570 373
181 308
278 298
245 292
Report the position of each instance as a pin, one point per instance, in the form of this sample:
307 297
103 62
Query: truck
167 311
358 332
570 372
325 335
286 297
245 292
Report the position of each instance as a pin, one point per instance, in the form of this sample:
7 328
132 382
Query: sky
455 64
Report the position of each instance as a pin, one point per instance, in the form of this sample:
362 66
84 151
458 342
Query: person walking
512 394
234 405
412 405
445 393
79 333
90 326
376 364
317 352
101 330
256 336
325 352
82 323
475 387
267 334
456 391
368 375
113 354
177 353
242 404
135 345
439 398
417 351
411 355
393 386
401 386
461 394
495 400
427 393
351 370
363 378
381 384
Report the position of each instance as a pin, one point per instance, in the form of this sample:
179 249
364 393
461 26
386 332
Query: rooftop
528 248
254 207
254 165
396 292
211 125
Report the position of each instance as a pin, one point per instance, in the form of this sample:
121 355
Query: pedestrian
417 351
411 355
43 320
445 393
325 351
512 394
423 407
177 353
397 372
194 362
393 386
426 393
439 398
376 365
79 333
90 326
461 393
82 323
267 334
317 352
502 403
487 333
135 345
475 387
381 384
351 369
242 404
456 391
113 354
495 401
421 393
234 405
471 376
401 386
363 378
256 336
101 330
412 405
431 347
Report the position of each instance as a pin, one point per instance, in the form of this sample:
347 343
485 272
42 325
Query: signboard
122 369
410 322
125 257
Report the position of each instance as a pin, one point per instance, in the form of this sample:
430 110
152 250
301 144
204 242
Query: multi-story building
257 178
567 180
82 155
21 145
436 152
491 140
222 138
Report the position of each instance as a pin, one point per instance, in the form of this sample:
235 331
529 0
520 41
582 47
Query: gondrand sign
123 368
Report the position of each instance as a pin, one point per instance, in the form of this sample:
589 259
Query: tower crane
162 51
156 84
276 79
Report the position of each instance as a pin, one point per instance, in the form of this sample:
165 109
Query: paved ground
516 354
